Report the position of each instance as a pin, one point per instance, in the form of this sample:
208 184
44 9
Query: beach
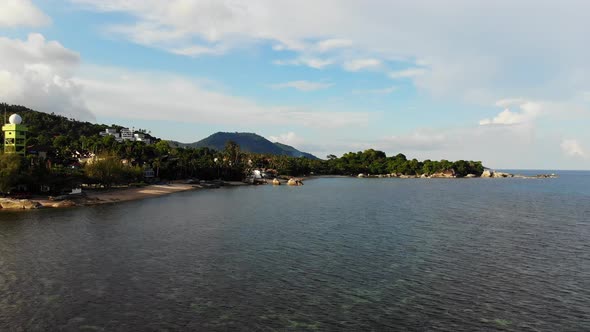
94 197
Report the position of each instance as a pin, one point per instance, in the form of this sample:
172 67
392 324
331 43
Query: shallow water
335 254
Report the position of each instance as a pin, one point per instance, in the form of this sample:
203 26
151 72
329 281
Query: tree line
76 154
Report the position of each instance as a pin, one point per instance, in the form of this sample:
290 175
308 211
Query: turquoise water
334 254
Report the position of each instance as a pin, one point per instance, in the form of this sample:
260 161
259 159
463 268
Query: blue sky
506 83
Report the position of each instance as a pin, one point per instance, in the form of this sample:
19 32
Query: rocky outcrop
450 173
19 204
502 175
295 182
487 173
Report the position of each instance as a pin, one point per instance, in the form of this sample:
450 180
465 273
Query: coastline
116 195
97 197
119 195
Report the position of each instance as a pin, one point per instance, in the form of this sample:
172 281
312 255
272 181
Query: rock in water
276 182
295 182
487 173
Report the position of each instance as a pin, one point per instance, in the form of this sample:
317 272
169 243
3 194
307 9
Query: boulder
294 182
502 175
361 175
470 176
276 182
487 173
450 173
19 204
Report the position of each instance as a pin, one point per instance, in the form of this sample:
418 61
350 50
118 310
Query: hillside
248 142
294 152
44 127
51 125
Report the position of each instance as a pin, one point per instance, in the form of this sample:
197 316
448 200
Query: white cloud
289 138
197 50
45 76
119 93
303 85
507 117
529 111
362 64
573 148
316 63
38 74
383 91
519 55
408 73
332 44
21 13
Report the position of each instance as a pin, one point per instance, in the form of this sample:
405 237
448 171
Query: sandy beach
131 194
114 195
119 195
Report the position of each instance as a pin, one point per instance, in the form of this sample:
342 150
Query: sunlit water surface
334 254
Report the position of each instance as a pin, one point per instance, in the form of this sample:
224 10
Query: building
110 132
140 137
15 135
127 134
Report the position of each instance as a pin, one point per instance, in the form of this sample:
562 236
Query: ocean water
337 254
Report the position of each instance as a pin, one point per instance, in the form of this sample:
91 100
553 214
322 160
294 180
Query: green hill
248 142
294 152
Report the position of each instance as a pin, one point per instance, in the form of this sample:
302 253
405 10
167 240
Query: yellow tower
15 135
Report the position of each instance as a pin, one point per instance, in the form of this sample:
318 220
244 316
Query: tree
232 152
106 170
11 166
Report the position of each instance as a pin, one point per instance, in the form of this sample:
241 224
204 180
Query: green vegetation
376 162
11 166
63 153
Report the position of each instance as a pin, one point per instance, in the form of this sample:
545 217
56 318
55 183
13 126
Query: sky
503 82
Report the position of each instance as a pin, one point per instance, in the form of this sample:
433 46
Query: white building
127 134
110 132
140 137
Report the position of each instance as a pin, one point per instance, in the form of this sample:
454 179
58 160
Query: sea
337 254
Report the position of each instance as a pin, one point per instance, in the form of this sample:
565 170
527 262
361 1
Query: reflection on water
335 254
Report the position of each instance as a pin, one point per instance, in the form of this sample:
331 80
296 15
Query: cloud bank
39 74
15 13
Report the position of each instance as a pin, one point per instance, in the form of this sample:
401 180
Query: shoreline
119 195
116 195
109 196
